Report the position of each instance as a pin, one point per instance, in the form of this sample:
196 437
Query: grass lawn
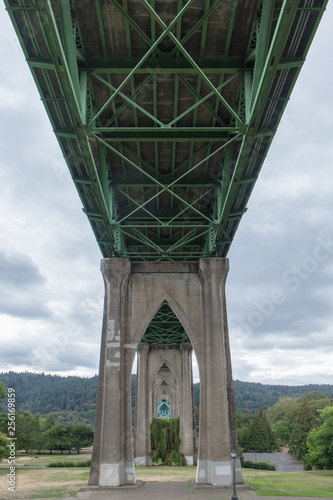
43 483
163 473
62 482
303 484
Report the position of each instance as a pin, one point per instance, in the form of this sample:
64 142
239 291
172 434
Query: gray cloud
17 356
22 287
59 357
18 270
25 307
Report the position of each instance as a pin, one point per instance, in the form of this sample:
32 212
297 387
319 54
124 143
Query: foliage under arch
165 441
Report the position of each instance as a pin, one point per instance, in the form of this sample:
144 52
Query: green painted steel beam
130 101
155 66
101 27
200 101
165 65
188 181
262 46
190 224
70 44
164 133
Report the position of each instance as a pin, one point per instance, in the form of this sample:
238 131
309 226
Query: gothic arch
154 307
171 368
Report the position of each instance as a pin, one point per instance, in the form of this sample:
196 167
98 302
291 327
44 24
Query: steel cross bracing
165 328
165 111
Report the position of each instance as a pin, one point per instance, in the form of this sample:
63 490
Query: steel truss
165 116
165 328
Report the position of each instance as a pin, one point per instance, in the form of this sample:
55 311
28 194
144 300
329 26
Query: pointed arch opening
165 328
156 309
164 372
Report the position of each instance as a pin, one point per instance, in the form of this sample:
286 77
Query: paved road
283 461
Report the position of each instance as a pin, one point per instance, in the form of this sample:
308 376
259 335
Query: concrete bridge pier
112 459
217 434
134 292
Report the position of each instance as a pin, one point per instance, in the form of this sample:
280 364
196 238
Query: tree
3 423
58 437
4 442
243 422
283 414
282 417
305 421
320 442
28 432
165 441
259 436
3 393
81 437
67 437
44 425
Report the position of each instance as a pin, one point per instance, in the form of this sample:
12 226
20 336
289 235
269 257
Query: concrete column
186 410
216 437
142 413
112 460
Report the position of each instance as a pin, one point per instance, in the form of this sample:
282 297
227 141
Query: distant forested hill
72 400
250 397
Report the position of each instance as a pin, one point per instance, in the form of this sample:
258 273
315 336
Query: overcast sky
280 284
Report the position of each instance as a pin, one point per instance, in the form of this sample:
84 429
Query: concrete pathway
167 491
177 491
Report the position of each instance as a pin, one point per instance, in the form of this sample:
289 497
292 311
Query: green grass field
43 483
303 484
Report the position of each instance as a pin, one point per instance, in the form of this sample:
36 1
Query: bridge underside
164 111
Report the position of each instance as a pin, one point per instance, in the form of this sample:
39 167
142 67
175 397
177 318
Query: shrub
176 458
249 464
85 463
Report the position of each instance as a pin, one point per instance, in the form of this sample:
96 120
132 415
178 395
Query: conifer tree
305 421
260 436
